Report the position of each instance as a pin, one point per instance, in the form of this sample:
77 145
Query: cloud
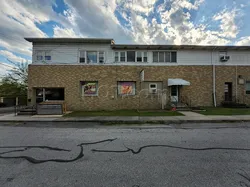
228 26
64 32
243 41
12 57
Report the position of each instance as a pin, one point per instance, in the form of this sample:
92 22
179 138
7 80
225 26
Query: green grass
122 113
226 111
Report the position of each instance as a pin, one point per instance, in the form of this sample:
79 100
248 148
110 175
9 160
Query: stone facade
199 93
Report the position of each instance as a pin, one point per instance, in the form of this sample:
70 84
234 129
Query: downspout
214 80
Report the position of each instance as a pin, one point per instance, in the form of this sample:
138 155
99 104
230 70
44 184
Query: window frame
247 92
164 61
119 88
41 55
47 55
97 56
117 55
84 83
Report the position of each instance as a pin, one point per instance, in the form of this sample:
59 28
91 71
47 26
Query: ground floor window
247 87
49 94
89 88
126 88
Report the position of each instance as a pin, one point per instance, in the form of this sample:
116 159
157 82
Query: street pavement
124 156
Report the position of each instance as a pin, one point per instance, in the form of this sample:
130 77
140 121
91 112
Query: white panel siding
69 54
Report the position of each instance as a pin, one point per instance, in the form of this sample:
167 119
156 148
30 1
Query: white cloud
64 32
243 41
12 57
228 26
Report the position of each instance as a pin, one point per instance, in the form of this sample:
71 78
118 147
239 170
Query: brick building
97 74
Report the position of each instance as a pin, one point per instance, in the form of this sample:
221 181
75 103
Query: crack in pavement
168 146
39 147
245 176
81 154
37 161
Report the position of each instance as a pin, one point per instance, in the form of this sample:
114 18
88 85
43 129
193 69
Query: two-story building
97 74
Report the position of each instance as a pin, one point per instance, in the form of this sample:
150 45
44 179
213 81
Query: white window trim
126 56
97 56
142 56
164 56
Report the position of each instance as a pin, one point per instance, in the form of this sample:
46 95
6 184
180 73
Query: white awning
178 82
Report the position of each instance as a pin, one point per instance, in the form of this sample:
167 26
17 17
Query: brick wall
69 77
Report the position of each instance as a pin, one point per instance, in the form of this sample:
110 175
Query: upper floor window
47 55
92 57
164 56
131 56
43 55
39 55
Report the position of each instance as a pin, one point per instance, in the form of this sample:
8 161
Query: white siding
69 54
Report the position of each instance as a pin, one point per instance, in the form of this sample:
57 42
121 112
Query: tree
15 83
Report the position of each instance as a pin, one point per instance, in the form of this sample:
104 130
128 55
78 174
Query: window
101 57
153 88
54 94
91 57
155 56
173 57
247 87
116 56
167 57
126 88
89 88
161 56
39 55
131 56
47 55
145 56
82 57
122 57
139 56
49 94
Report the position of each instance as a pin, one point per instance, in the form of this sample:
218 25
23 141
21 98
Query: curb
126 122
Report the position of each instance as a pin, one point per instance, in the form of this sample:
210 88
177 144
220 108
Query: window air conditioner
153 91
224 58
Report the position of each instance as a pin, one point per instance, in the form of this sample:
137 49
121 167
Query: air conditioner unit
224 58
153 91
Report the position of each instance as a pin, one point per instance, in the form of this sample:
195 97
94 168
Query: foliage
15 82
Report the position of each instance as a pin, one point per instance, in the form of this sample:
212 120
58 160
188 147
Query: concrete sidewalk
190 117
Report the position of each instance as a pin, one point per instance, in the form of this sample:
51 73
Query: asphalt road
108 157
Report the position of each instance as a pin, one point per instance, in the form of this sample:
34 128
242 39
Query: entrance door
174 94
228 90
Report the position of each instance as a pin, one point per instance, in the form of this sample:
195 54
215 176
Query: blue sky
200 22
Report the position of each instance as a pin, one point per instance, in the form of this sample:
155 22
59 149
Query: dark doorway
228 90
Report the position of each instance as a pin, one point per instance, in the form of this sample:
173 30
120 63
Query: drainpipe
214 81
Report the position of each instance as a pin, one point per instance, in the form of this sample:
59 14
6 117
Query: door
228 90
174 94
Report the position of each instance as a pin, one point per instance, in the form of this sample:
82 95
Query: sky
199 22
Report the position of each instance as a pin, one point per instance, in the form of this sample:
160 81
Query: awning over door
178 82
